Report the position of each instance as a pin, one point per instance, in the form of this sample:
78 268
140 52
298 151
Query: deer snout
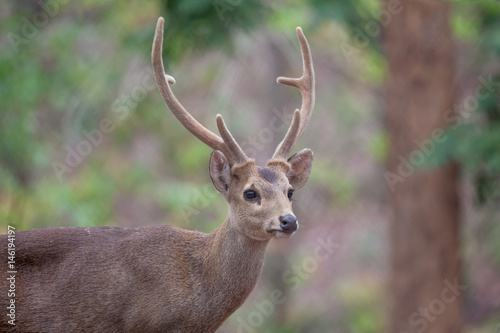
288 223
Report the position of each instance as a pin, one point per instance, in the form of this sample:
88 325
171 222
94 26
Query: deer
162 278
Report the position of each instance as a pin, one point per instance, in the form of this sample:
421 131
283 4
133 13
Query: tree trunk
425 290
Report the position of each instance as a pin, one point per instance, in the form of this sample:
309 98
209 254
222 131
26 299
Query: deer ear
300 168
220 171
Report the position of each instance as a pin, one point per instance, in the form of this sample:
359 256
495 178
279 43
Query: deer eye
250 195
290 194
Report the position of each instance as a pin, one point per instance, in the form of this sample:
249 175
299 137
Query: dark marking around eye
268 175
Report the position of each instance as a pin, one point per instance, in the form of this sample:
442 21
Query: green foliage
354 15
334 181
473 138
197 156
492 233
287 18
362 301
465 28
377 147
204 24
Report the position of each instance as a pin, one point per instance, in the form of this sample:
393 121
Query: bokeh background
400 212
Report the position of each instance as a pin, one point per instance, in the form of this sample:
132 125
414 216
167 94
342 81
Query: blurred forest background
406 136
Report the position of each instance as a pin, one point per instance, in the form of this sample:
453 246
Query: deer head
260 198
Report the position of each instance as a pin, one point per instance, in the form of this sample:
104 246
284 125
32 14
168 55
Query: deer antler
227 144
305 84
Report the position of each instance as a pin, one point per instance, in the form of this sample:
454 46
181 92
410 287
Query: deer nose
288 223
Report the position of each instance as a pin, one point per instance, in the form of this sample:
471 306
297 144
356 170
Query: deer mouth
280 233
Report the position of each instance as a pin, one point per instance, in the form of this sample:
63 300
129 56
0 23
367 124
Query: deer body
161 278
131 279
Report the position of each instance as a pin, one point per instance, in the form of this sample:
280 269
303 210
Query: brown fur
150 279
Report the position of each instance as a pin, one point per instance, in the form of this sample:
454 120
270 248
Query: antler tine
284 147
227 144
305 84
237 154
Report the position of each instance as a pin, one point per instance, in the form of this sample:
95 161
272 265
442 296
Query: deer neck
234 259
